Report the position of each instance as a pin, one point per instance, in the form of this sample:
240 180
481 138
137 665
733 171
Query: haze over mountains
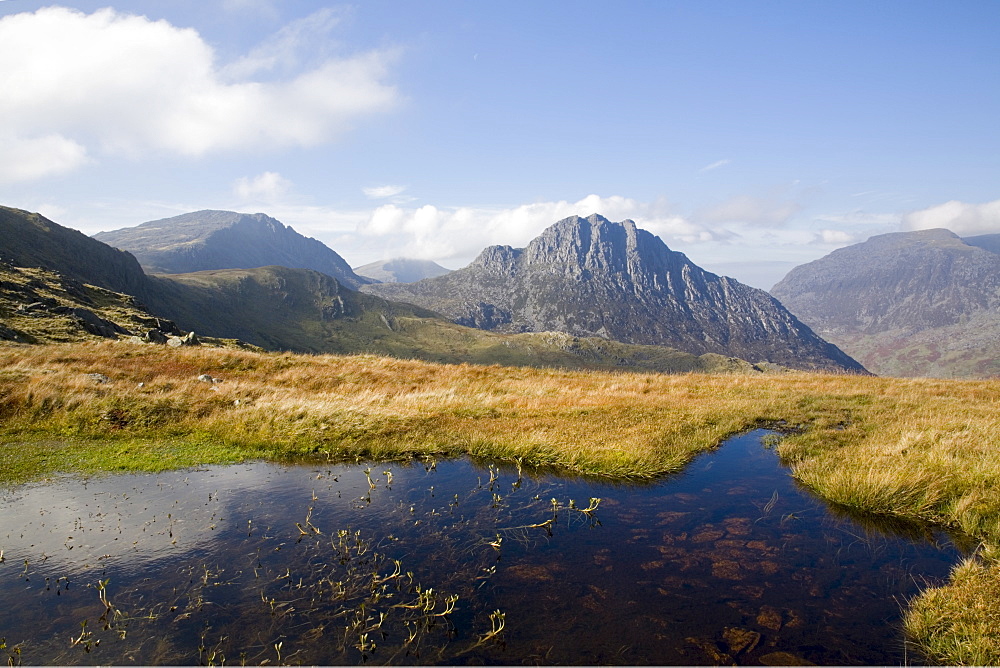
592 277
923 303
400 270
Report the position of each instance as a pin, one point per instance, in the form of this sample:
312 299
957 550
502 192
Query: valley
555 358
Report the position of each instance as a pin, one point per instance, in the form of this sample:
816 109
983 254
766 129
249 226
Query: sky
752 136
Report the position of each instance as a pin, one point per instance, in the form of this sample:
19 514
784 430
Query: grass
912 448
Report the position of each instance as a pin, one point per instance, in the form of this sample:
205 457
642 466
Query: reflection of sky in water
130 521
727 562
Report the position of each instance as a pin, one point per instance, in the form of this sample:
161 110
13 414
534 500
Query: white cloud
835 237
302 40
113 83
959 217
27 159
266 187
715 165
382 192
749 210
448 233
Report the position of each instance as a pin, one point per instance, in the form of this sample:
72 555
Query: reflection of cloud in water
131 520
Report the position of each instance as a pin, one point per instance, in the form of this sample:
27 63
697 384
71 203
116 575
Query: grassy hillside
914 448
42 306
304 311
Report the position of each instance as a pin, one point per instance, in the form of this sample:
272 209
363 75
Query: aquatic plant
914 448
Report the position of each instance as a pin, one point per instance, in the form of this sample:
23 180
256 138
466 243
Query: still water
454 562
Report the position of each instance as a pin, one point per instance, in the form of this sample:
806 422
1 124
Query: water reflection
454 562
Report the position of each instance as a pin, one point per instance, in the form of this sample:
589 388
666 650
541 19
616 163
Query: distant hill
207 240
592 277
400 270
923 303
46 295
990 242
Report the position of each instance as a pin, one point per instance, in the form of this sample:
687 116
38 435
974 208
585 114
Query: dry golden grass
915 448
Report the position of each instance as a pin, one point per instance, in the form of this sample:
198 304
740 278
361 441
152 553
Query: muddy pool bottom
454 562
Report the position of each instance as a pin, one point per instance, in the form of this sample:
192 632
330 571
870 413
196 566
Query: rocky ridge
592 277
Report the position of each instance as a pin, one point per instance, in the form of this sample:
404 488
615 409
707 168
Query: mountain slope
31 240
46 296
592 277
305 311
923 303
206 240
401 270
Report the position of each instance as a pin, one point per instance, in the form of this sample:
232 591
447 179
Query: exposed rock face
909 303
592 277
209 240
401 270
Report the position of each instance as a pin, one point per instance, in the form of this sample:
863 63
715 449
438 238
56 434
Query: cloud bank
462 232
77 86
959 217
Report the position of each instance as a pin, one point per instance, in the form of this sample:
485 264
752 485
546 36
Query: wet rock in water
783 659
711 649
769 618
99 378
750 591
740 640
726 570
530 573
707 536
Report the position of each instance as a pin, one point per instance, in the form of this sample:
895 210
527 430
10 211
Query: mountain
400 270
46 296
990 242
923 303
31 240
207 240
59 285
592 277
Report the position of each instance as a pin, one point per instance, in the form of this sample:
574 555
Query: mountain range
924 303
57 284
593 277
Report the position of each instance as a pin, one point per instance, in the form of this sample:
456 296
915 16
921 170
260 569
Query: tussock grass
913 448
957 624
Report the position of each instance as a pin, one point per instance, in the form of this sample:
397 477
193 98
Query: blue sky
753 136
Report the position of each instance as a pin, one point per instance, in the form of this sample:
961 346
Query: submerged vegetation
913 448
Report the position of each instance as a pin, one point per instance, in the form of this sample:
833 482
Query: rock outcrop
593 277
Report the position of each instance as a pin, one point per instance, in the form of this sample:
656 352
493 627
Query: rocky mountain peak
593 277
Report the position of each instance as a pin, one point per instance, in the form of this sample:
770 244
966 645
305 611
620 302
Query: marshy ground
926 450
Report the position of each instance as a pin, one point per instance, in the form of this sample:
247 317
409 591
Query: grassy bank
921 449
